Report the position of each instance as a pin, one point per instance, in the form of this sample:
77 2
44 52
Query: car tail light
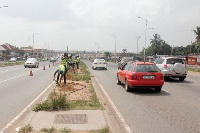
95 63
134 76
165 65
104 63
161 77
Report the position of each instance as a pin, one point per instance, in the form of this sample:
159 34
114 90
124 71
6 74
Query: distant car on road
99 64
13 59
172 67
123 61
140 75
31 62
53 59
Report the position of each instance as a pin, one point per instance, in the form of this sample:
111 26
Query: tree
197 32
107 54
158 46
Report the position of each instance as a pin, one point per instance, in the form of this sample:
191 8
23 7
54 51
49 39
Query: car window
146 68
159 61
99 60
126 66
173 61
130 68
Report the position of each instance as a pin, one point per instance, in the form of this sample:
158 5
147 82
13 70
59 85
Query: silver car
31 62
172 67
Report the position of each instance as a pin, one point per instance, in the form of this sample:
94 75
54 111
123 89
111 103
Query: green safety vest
61 67
78 59
69 60
63 61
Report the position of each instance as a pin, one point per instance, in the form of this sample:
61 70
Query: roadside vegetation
29 129
2 64
193 69
62 98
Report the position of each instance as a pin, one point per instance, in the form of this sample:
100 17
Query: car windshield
99 60
127 59
173 61
146 68
31 59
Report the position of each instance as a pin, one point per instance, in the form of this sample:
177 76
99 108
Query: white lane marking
7 70
116 110
18 76
25 109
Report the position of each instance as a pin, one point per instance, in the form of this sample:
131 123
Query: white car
31 62
99 64
13 59
172 67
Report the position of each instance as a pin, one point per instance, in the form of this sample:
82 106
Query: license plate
148 77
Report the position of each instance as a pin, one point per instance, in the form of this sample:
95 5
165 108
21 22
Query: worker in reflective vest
77 61
61 73
64 63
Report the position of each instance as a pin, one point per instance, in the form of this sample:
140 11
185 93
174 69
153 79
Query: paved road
18 89
176 109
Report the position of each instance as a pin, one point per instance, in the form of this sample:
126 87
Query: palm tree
197 32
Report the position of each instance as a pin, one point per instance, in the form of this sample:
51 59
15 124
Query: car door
124 72
129 72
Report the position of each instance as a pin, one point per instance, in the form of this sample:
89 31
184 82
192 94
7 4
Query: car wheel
127 88
118 81
105 68
158 89
181 78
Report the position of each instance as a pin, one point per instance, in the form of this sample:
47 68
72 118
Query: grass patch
93 104
46 130
65 130
193 69
26 129
53 103
84 76
11 63
103 130
57 102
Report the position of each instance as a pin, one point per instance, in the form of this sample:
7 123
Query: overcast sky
88 24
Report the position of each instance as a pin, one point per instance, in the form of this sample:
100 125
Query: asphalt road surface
18 89
176 109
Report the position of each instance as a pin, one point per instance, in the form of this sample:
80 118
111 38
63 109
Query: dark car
123 61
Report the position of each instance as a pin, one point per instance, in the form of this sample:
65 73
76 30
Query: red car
140 75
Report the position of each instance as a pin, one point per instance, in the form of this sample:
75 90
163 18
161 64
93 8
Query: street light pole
138 37
115 43
145 36
3 6
33 41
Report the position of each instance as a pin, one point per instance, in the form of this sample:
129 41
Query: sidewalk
76 120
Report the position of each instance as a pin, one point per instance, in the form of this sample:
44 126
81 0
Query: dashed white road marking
116 110
25 109
18 76
8 70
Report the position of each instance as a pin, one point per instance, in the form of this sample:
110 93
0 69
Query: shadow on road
176 80
148 92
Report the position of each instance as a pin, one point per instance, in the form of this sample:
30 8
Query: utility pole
33 41
138 37
115 44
